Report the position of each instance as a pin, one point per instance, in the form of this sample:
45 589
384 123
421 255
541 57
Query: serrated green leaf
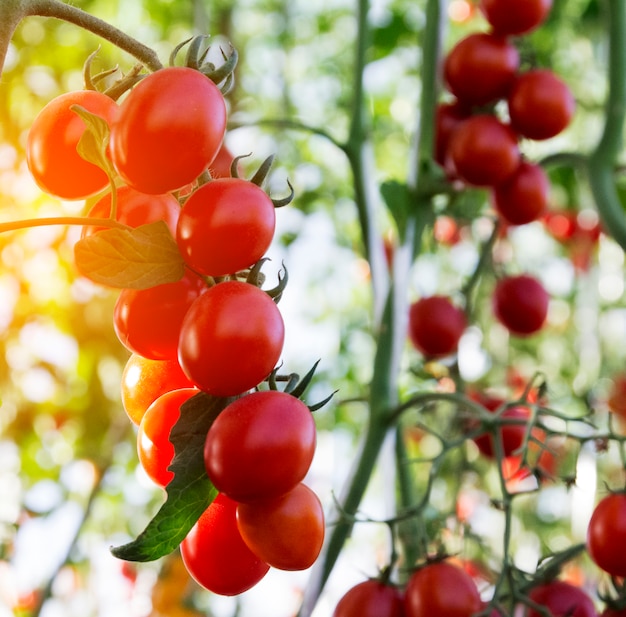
189 493
93 143
130 258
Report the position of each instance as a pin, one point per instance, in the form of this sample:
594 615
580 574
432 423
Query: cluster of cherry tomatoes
214 331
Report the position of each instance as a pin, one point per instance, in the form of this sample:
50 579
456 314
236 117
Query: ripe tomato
448 117
515 17
520 303
144 380
523 198
371 598
617 395
51 152
286 532
441 589
511 435
215 554
155 450
483 151
231 338
480 68
220 166
436 325
148 321
540 104
135 209
169 129
260 446
606 534
613 612
561 599
225 226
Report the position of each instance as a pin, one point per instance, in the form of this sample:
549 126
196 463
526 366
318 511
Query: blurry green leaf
93 143
131 258
190 492
396 196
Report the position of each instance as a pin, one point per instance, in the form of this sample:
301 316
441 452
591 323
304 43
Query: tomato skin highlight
515 17
218 213
520 303
606 534
561 599
51 153
215 554
231 338
371 598
260 446
169 129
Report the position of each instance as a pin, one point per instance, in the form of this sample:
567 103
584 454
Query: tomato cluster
213 331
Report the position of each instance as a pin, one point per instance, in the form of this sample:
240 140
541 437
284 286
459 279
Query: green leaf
130 258
396 196
93 143
189 493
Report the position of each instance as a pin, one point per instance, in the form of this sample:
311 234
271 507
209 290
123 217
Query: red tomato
231 338
483 151
613 612
540 104
260 446
515 16
215 554
51 152
480 68
135 209
220 166
143 381
225 226
441 589
511 435
523 198
520 303
606 534
286 532
561 599
148 321
436 325
617 395
448 117
169 129
371 598
155 450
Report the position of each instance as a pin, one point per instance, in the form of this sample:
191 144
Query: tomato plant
515 16
245 455
371 598
520 303
511 436
448 117
561 599
606 534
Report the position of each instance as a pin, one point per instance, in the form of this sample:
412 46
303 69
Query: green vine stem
60 220
601 165
13 11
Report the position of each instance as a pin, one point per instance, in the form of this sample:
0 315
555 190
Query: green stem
602 161
60 220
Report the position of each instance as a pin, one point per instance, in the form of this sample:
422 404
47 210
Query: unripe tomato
480 68
561 599
51 153
215 554
169 129
520 303
606 534
515 17
371 598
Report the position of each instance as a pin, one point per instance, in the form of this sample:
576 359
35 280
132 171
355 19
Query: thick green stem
602 161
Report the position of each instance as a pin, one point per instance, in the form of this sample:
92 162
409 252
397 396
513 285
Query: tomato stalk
61 220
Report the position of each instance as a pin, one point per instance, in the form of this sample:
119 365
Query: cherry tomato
220 166
260 446
613 612
436 325
540 104
606 534
215 554
225 226
371 598
480 68
520 303
148 321
155 450
523 198
448 117
144 380
51 153
441 589
511 435
561 599
169 129
515 17
617 395
135 209
231 338
287 532
483 151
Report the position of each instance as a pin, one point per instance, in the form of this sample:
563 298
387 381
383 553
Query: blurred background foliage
69 482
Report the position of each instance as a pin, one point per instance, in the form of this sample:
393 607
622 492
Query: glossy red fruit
515 17
540 104
520 303
483 151
480 68
523 198
606 534
448 117
616 400
561 599
436 326
511 435
371 598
